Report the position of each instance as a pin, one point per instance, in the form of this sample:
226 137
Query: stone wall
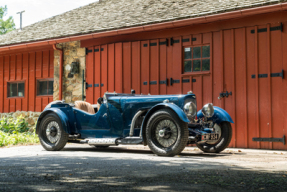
72 87
30 117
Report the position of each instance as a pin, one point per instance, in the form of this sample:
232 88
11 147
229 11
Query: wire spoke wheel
51 134
166 133
224 130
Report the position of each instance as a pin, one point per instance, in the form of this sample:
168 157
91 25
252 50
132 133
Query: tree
5 25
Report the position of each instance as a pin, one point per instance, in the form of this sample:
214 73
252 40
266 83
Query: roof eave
156 26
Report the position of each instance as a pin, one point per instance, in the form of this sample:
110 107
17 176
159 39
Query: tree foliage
8 24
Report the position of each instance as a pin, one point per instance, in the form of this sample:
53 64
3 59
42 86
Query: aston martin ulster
166 123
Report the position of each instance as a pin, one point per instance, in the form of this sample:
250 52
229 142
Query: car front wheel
51 134
223 141
166 133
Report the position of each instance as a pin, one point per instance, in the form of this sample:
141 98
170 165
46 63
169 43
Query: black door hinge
153 44
185 40
224 94
281 74
280 27
88 51
164 42
164 82
88 85
281 140
153 82
172 41
185 81
278 74
259 76
172 81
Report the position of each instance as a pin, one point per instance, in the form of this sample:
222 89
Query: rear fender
219 116
157 107
62 116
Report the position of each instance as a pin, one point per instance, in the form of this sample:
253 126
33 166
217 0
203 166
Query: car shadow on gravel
146 151
68 172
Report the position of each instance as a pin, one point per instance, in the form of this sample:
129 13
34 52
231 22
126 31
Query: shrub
16 131
11 125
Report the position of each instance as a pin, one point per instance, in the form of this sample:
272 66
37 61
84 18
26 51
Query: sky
37 10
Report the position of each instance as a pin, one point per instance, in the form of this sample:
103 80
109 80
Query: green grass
16 132
7 139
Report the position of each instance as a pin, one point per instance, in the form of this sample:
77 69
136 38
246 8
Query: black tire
59 140
173 142
226 135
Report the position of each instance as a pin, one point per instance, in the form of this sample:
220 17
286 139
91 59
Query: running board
114 141
102 141
130 141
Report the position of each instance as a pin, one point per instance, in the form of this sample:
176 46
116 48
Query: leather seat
85 106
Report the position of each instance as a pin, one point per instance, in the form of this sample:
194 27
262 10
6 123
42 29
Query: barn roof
118 14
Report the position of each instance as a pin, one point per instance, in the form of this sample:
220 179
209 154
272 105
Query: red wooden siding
25 67
257 105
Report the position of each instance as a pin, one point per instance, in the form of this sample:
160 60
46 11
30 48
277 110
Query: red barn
230 53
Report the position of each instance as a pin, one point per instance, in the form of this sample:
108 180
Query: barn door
197 67
252 84
96 73
153 65
174 55
163 81
268 78
265 83
90 75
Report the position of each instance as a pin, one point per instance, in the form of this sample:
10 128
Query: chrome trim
103 141
134 122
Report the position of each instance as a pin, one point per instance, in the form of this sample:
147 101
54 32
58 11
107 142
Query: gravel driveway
130 168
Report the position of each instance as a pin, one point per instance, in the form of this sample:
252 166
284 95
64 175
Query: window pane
196 65
196 52
205 64
21 87
187 53
13 90
205 51
50 87
42 87
187 66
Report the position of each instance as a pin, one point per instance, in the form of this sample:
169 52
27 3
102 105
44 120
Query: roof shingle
116 14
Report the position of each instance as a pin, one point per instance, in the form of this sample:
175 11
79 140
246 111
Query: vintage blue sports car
166 123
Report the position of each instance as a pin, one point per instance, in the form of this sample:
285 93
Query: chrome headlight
208 110
190 109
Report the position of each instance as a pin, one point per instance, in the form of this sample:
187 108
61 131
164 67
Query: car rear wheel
222 143
51 134
166 133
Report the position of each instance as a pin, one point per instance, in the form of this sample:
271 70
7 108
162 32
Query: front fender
174 107
62 116
171 106
219 116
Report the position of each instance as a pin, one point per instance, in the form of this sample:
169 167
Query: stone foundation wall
72 87
30 117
